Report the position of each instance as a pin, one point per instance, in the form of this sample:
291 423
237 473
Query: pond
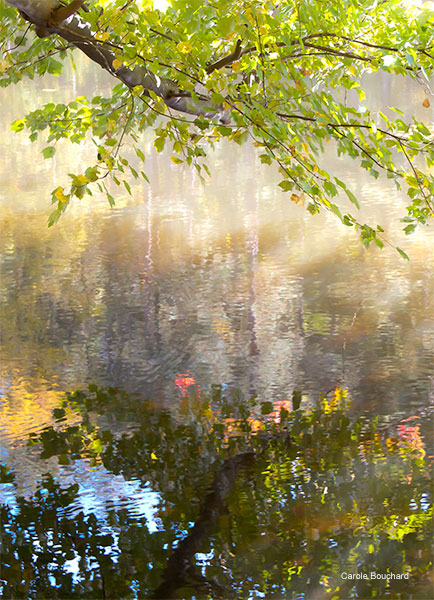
210 306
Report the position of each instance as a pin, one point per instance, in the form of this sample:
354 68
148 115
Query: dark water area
179 289
215 503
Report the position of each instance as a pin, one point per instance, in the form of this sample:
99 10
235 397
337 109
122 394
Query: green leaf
286 185
127 187
330 188
313 208
335 210
224 131
402 253
266 408
159 143
410 228
264 158
91 173
54 67
54 217
352 198
140 154
49 152
296 399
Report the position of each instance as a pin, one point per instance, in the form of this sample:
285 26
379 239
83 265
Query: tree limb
226 60
180 566
78 33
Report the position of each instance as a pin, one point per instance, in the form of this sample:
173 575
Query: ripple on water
101 492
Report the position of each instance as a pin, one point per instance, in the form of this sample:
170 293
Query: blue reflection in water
100 491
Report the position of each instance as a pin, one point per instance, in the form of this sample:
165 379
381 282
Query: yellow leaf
111 125
154 457
208 414
103 36
59 194
4 64
297 199
116 64
82 179
249 16
184 47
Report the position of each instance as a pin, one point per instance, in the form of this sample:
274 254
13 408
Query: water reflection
230 282
206 505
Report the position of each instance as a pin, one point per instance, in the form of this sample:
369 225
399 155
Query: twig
261 57
226 60
364 151
164 35
127 122
416 176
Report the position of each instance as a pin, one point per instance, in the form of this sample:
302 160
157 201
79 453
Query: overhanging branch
78 33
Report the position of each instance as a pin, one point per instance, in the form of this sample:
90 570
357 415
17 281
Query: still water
229 281
187 285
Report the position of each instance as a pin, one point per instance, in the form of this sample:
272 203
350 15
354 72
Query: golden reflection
230 281
26 410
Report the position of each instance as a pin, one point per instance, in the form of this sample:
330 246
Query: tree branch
180 567
419 183
226 60
79 34
333 52
365 152
325 50
348 39
343 125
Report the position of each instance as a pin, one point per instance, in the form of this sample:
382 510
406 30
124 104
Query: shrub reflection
245 499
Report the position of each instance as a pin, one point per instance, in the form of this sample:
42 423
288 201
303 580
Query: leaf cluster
281 73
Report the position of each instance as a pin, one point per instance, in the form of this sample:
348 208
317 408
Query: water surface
229 281
187 285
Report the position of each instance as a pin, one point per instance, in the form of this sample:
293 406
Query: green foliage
282 88
281 506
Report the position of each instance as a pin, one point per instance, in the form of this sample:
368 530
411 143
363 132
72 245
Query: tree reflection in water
246 499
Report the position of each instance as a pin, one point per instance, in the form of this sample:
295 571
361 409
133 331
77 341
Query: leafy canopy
273 73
